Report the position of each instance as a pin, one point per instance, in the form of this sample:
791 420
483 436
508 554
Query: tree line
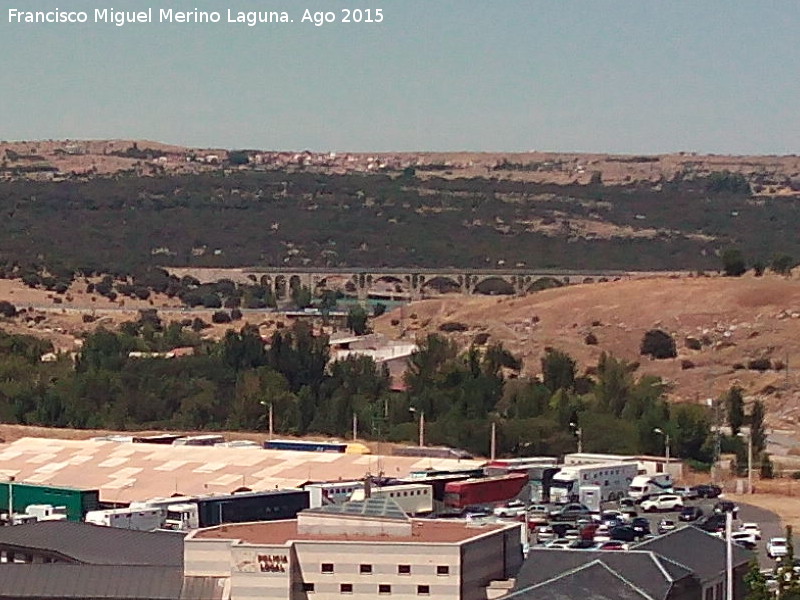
229 384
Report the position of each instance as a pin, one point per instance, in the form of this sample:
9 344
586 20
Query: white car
602 534
744 538
751 528
560 543
777 548
513 509
545 534
665 502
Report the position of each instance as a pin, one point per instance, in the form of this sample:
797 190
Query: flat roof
125 472
423 531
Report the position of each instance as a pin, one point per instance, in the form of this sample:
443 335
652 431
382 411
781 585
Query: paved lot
768 521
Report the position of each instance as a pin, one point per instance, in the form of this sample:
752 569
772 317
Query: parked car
515 508
561 529
666 525
602 533
572 534
690 513
685 492
751 528
629 515
582 545
613 545
472 512
777 547
744 538
559 543
663 502
724 506
571 512
713 523
707 490
641 526
623 533
545 533
627 503
612 517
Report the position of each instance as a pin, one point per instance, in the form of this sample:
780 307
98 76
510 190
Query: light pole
269 416
11 480
421 425
749 460
578 434
666 445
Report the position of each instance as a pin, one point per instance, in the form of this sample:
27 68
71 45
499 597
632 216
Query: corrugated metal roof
124 472
96 545
90 581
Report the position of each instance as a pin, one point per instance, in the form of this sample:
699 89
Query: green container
77 502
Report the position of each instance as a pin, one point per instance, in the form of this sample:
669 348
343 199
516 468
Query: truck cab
182 516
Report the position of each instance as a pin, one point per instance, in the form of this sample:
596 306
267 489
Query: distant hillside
719 324
227 217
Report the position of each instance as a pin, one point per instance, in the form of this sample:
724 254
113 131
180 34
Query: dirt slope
735 320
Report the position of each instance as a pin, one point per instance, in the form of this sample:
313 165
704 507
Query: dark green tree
357 320
733 264
782 264
558 370
734 403
758 430
658 344
756 584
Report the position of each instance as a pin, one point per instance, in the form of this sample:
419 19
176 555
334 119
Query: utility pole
421 428
729 554
493 451
270 421
355 426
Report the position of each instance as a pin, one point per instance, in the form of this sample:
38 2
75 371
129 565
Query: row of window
383 588
366 569
601 473
409 493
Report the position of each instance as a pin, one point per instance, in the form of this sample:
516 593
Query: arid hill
731 320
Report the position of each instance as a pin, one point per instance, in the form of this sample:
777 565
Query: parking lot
768 522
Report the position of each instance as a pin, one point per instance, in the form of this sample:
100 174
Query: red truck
486 490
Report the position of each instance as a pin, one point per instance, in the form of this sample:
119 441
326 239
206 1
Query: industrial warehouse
220 520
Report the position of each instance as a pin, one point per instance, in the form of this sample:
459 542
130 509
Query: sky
619 76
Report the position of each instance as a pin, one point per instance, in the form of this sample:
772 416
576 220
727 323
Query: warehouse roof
95 545
125 471
90 581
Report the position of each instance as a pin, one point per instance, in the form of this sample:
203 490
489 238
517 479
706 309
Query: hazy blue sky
633 76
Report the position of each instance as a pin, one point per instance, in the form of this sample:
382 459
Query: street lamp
749 459
421 425
660 431
269 405
578 434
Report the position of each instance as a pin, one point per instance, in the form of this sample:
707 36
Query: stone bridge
412 283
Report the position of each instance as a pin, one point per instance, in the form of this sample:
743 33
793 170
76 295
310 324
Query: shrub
759 364
733 263
693 343
198 324
687 364
7 309
236 314
590 339
658 344
480 339
220 316
737 366
452 326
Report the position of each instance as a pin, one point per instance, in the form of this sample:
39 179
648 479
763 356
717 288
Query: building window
404 569
423 590
365 569
308 587
384 588
346 588
327 567
443 570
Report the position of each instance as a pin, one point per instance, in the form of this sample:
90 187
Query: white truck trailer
611 478
140 519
